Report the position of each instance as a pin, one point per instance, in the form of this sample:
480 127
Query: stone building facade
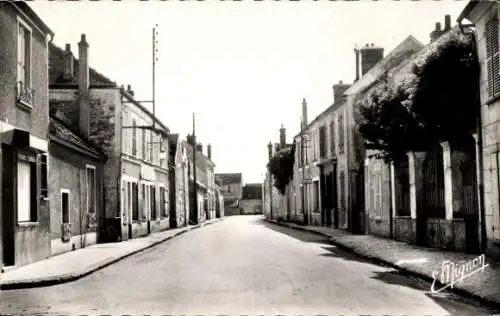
232 190
24 130
485 17
134 141
179 185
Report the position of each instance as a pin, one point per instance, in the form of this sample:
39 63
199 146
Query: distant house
24 143
232 190
251 201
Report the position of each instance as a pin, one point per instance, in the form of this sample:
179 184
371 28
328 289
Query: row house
135 143
24 136
329 157
232 190
179 183
205 181
485 17
373 65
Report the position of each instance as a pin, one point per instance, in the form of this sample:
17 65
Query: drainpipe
480 176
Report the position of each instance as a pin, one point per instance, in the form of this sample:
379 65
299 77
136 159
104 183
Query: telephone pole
195 190
155 59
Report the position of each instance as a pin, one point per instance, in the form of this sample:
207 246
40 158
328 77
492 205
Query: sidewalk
417 261
73 265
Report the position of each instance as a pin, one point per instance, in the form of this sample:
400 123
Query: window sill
24 106
28 224
491 100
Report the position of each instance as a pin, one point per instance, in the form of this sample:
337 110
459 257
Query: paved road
242 265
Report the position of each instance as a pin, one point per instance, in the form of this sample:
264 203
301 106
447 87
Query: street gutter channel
381 262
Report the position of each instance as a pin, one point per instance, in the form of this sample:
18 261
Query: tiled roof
59 131
56 70
227 178
252 191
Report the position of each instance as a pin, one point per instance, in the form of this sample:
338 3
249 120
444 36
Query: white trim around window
67 191
24 24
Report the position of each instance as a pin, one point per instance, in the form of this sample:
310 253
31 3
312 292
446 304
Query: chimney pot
68 48
282 136
209 152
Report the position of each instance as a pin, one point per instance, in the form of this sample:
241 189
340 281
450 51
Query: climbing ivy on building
438 101
281 167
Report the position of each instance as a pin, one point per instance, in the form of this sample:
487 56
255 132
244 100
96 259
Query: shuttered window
322 142
332 138
492 57
341 133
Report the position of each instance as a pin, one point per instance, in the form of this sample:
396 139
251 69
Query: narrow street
242 265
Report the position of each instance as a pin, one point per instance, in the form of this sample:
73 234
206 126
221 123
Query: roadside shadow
451 302
298 234
335 252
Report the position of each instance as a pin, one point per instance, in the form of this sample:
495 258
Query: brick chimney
83 86
282 136
129 90
447 23
209 151
270 150
199 147
370 56
339 89
276 147
436 33
304 113
69 63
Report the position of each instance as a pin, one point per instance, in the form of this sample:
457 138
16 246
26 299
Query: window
332 138
65 206
144 153
44 189
134 138
342 190
151 145
316 195
24 92
162 202
341 133
152 200
27 206
322 142
145 203
492 56
133 200
91 196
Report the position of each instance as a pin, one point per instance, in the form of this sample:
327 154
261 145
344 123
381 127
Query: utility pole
305 181
195 190
155 59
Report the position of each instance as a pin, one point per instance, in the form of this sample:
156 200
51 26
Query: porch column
415 160
393 190
448 180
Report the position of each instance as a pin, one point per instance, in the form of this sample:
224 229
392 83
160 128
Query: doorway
8 206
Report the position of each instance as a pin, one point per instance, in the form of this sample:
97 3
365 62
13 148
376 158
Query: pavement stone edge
381 261
54 280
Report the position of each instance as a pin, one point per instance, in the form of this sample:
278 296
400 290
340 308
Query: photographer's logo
452 273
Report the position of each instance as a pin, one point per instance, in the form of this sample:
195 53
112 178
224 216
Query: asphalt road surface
240 266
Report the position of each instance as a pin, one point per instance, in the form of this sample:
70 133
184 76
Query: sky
242 67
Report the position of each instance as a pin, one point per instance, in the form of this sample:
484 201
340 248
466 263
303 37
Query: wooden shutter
492 57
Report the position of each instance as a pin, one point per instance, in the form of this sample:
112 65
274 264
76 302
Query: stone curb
381 261
53 280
